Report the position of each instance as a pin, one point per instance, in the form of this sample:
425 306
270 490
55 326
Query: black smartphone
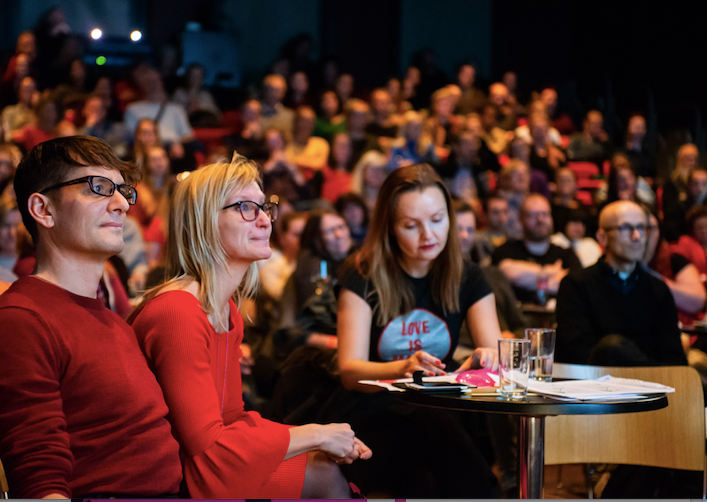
436 387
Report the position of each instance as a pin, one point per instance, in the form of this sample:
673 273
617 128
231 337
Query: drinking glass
514 366
542 353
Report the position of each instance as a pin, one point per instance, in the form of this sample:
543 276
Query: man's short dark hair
51 162
693 215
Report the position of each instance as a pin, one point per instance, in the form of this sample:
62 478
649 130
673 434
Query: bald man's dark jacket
596 302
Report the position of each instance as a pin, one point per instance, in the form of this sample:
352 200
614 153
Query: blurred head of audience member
352 208
549 98
146 136
303 125
289 229
514 178
466 76
697 186
368 176
340 157
344 87
635 132
536 218
622 180
326 236
328 105
380 105
356 117
466 226
593 126
497 215
566 183
686 161
498 94
274 89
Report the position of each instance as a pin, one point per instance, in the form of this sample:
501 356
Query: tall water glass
542 353
514 366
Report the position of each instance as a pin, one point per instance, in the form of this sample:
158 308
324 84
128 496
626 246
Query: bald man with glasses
616 313
81 413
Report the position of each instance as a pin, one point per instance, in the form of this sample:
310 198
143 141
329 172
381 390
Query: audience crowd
562 223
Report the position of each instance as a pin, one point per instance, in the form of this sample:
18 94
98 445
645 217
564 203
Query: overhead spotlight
96 33
135 36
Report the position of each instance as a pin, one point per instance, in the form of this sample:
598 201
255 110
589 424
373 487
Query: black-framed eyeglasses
101 186
626 229
250 210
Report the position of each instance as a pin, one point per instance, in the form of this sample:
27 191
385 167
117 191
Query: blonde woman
190 331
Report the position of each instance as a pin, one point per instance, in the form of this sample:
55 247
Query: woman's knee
323 478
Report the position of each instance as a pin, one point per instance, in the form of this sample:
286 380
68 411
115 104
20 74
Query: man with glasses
81 413
616 313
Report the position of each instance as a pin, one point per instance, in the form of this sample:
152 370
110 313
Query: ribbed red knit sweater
80 411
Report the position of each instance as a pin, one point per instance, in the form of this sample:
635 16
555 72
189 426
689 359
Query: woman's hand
483 357
422 361
360 450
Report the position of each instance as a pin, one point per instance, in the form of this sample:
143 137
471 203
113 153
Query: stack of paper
601 389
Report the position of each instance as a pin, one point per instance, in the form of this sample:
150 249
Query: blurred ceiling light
96 33
135 36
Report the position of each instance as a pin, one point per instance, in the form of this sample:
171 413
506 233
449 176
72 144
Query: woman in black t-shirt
410 290
403 299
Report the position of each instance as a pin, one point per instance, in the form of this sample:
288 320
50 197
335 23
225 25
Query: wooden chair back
673 437
4 489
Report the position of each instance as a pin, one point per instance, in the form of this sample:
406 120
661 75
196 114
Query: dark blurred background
618 57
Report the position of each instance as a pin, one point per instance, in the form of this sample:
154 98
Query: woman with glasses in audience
190 330
404 297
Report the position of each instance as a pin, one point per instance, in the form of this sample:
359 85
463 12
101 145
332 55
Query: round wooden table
532 412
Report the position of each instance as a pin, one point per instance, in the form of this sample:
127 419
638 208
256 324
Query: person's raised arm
687 289
485 331
353 329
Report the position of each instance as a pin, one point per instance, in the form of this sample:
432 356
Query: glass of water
513 370
542 353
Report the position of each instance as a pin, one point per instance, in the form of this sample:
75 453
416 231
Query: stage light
101 60
96 33
135 36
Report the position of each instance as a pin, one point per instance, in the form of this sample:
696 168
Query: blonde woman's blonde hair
195 250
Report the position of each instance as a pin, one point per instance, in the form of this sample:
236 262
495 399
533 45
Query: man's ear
41 209
601 238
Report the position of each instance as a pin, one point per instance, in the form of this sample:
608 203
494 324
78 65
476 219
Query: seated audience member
368 176
399 104
274 114
10 157
506 118
573 235
552 135
184 326
10 218
344 88
592 144
382 125
134 257
681 276
356 112
200 105
325 237
20 65
15 117
250 141
676 190
496 138
275 271
623 184
282 177
170 117
560 121
441 124
352 208
82 414
510 318
565 198
329 121
643 163
496 233
514 186
309 153
466 172
533 262
414 145
544 155
510 80
337 174
616 313
472 99
146 136
410 272
693 245
97 124
298 91
42 128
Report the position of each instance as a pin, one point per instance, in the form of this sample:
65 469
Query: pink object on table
480 378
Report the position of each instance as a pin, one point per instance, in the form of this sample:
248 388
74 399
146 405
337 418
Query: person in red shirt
81 414
190 329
